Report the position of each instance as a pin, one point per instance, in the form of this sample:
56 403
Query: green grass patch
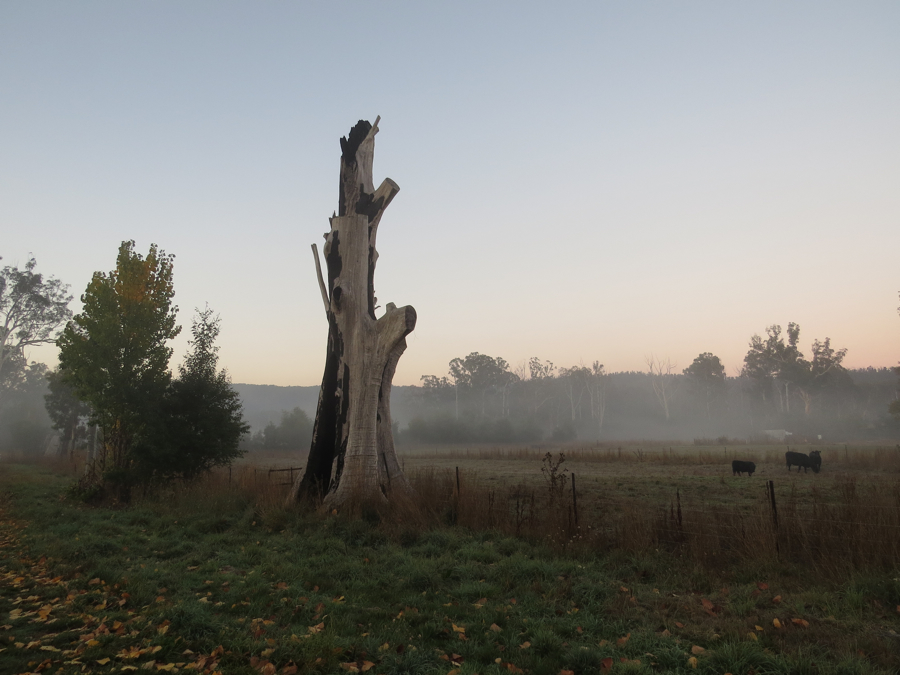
226 581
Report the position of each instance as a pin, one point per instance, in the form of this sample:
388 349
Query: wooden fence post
574 501
770 489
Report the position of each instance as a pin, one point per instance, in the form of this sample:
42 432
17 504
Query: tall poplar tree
115 355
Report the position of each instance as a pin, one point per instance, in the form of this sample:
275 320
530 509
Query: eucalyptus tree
706 377
32 310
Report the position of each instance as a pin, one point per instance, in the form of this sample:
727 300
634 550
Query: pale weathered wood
322 288
352 457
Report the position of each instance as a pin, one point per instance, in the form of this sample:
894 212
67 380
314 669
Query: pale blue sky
584 181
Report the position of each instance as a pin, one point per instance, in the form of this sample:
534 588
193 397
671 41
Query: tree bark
352 457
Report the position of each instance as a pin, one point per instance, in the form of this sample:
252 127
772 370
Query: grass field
673 565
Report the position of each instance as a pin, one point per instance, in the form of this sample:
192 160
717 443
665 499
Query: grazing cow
811 461
737 467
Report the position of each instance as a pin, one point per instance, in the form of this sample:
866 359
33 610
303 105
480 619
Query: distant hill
264 403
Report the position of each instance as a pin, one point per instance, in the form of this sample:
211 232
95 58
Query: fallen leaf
761 585
800 622
289 670
752 636
93 582
494 627
665 633
103 662
776 599
622 641
606 665
679 624
350 667
462 629
759 628
692 662
318 628
525 645
49 648
776 623
567 672
697 649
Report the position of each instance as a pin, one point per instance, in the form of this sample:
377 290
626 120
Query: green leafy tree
32 309
706 378
199 424
115 355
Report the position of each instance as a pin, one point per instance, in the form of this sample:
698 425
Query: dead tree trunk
352 457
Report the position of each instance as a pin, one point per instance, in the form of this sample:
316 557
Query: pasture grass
220 576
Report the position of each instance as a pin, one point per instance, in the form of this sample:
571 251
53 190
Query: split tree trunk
352 457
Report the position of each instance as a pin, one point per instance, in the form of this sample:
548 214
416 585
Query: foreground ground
220 578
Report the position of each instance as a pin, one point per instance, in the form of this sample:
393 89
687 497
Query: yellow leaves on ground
697 649
752 636
693 662
622 641
494 627
776 599
776 623
800 622
358 667
318 628
606 665
525 645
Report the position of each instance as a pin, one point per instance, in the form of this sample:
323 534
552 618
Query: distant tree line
113 392
483 399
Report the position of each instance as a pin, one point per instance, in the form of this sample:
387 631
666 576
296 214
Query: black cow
811 461
737 467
